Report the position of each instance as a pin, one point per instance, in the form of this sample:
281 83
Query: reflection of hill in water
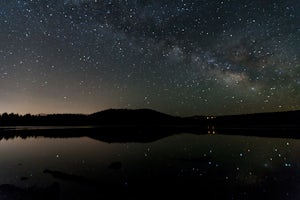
144 134
104 134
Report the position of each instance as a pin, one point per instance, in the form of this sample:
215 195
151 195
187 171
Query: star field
183 57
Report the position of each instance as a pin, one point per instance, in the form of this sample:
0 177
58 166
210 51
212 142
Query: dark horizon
151 118
132 109
144 125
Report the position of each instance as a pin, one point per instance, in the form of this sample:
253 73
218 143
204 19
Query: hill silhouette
110 117
132 117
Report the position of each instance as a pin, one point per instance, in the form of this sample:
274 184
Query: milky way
183 57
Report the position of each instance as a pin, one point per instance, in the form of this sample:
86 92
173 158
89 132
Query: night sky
182 57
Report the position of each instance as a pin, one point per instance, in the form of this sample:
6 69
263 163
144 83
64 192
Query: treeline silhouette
272 119
42 120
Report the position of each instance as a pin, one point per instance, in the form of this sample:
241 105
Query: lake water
177 166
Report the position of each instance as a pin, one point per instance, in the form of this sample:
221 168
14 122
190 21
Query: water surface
181 165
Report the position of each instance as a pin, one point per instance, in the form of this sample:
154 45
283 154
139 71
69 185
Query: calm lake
178 166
